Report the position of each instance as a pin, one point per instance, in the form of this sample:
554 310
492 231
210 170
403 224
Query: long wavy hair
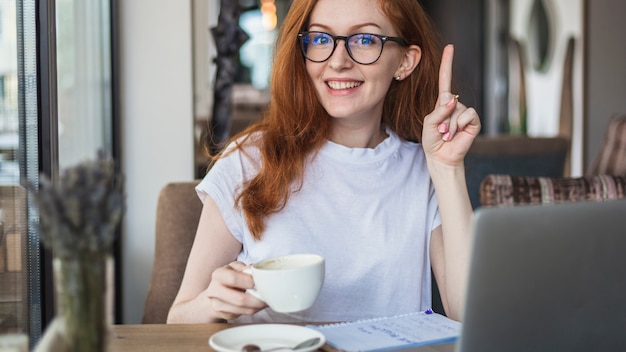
295 125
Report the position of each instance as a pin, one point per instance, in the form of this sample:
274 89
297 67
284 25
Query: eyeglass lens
362 47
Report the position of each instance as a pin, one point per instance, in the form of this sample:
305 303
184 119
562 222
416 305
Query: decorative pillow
507 190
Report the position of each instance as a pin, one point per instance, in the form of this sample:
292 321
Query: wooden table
188 337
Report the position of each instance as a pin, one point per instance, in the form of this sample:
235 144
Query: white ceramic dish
265 336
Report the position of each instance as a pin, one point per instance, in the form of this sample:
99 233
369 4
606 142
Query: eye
320 39
364 40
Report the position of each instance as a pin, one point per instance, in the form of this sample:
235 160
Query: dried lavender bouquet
79 214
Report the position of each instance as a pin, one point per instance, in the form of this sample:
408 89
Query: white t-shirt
369 212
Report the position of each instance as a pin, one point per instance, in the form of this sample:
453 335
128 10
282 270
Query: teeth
343 85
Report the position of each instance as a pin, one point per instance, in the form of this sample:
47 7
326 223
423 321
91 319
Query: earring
398 77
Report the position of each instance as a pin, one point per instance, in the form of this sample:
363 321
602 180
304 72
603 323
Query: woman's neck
362 137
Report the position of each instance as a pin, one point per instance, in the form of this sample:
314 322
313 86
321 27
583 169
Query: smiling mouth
336 85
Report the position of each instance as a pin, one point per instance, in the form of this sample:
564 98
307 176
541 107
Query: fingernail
446 136
452 100
442 128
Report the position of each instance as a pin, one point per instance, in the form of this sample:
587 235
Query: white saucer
265 336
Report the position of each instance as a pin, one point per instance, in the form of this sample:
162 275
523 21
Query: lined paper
388 333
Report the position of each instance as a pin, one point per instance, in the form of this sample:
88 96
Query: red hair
295 125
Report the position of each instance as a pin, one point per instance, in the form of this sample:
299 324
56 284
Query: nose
340 57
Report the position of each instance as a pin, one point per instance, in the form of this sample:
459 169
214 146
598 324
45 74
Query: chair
177 216
606 179
513 155
505 190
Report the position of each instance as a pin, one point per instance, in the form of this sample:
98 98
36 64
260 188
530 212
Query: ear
410 60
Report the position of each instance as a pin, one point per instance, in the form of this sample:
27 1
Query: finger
444 118
231 277
232 299
247 305
445 70
443 126
238 266
468 118
442 111
453 122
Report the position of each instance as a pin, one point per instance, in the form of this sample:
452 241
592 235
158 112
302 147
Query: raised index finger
445 70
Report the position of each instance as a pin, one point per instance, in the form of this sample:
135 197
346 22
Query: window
56 109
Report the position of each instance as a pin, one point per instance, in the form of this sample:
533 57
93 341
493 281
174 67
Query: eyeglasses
363 48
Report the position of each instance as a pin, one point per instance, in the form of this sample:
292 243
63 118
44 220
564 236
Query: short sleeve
224 182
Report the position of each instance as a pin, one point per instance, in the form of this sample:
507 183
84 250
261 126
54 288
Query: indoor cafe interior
154 83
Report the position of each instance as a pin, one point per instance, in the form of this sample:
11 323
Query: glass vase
84 301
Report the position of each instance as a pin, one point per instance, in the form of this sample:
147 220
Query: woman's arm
450 247
213 286
447 136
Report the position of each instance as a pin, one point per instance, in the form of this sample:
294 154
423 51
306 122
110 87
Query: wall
157 126
605 69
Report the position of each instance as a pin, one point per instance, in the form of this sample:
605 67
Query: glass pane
84 79
9 123
13 201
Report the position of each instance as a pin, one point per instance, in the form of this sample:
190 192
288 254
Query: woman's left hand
451 127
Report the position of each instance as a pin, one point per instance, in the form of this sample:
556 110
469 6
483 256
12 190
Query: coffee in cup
289 283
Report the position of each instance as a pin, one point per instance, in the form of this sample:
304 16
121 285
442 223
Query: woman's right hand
227 292
214 285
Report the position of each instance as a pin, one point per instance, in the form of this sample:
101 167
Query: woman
359 158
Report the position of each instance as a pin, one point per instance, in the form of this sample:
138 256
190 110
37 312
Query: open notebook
405 331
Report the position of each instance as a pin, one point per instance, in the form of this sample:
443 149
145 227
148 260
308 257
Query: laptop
547 278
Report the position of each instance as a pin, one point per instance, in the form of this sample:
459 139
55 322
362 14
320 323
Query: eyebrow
353 28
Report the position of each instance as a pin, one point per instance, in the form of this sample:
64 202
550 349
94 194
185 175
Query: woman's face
346 89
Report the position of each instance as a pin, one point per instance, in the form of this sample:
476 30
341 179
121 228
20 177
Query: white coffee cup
289 283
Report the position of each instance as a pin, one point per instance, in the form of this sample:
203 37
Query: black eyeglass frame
336 38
